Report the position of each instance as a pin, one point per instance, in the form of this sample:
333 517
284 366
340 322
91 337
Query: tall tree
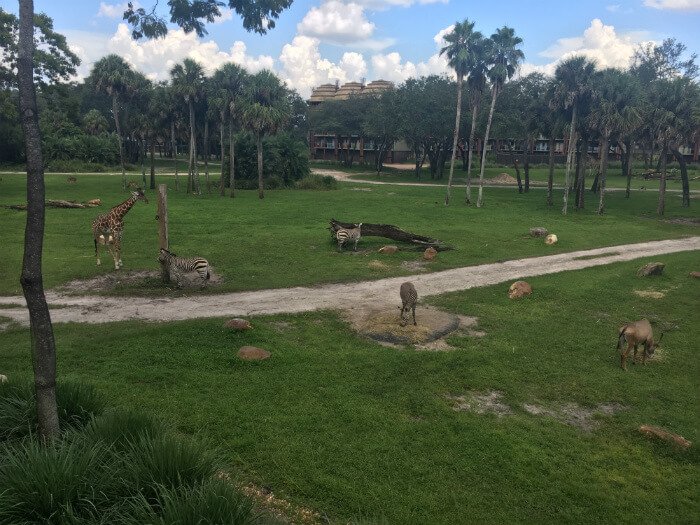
188 83
463 50
113 76
43 344
504 59
476 84
265 109
572 77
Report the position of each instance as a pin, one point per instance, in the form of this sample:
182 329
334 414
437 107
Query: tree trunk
662 183
206 154
222 181
43 345
581 159
603 171
174 143
232 157
195 182
190 168
550 177
115 113
628 165
153 165
454 139
261 190
390 231
517 168
480 198
684 175
143 162
569 159
526 164
468 194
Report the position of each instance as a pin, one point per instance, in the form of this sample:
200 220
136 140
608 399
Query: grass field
283 241
356 430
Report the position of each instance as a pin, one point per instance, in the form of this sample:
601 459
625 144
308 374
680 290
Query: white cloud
303 68
154 58
386 4
614 8
674 5
337 22
226 15
114 10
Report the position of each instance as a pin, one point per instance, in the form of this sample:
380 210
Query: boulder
551 239
429 254
238 324
695 274
519 289
538 232
3 378
652 431
253 353
655 268
389 249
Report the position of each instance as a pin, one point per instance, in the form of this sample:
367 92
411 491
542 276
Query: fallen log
390 231
55 204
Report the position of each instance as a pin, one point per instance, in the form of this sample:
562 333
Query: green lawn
283 241
357 430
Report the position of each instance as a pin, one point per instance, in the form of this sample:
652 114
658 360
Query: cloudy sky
319 41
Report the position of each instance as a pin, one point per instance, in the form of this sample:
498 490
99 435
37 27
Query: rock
238 324
253 353
389 249
429 254
3 378
695 274
95 202
655 268
538 232
551 239
652 431
519 289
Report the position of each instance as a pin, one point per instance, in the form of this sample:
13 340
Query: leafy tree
666 61
265 109
113 76
94 122
572 78
476 83
188 83
463 52
381 125
504 58
344 118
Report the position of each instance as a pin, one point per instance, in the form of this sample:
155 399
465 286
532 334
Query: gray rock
655 268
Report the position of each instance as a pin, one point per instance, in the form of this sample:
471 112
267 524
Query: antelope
409 298
635 334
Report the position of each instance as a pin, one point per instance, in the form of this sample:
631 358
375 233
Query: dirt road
332 296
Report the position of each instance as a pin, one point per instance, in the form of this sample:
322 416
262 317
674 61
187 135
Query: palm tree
188 83
463 52
265 109
113 76
503 58
228 83
572 78
476 83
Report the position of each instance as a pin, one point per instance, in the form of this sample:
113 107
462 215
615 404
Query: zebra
409 298
193 264
348 234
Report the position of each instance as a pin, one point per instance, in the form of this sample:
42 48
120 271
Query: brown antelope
409 298
71 180
635 334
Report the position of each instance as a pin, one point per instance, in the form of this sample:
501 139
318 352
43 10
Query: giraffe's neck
120 210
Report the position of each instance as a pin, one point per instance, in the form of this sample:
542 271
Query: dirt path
332 296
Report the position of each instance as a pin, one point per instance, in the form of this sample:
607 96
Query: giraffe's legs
97 252
117 252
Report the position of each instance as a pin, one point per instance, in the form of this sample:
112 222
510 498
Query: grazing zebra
348 234
193 264
409 298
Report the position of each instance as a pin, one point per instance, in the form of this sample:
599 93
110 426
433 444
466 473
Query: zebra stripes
193 264
344 235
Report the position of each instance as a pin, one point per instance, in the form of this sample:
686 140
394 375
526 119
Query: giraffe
107 228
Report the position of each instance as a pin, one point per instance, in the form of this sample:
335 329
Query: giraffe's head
138 194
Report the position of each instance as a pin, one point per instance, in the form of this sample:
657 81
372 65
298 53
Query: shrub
317 182
120 430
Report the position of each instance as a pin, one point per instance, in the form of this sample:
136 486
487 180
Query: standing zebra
348 234
193 264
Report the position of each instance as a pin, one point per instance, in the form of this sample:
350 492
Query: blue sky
319 41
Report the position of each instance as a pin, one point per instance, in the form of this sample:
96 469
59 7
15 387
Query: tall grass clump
317 182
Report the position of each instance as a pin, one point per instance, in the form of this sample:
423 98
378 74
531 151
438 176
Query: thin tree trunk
143 163
468 194
115 112
231 148
190 168
454 139
206 154
526 164
193 131
174 143
153 165
480 198
222 182
517 168
550 177
261 190
661 208
628 164
603 171
43 345
581 159
569 159
684 175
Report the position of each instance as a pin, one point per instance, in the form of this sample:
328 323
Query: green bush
120 430
74 166
317 182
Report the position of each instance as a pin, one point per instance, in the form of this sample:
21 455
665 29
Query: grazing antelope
71 180
635 334
348 234
409 298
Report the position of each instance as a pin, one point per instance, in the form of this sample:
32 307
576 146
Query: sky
322 41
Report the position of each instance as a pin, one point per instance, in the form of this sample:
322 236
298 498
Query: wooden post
163 227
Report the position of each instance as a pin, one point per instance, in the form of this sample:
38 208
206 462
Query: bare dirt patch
378 265
282 326
502 178
685 221
109 282
650 294
573 414
489 402
415 266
